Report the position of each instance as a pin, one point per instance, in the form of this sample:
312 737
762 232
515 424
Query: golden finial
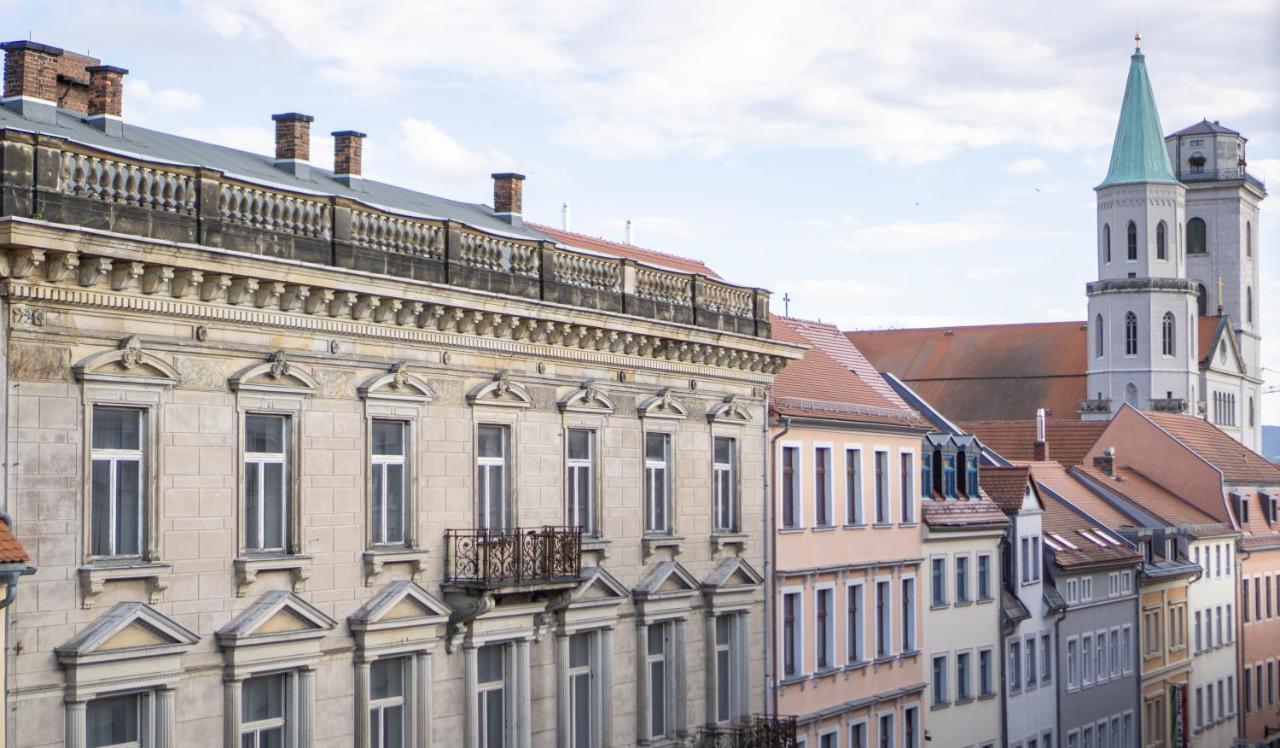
1137 40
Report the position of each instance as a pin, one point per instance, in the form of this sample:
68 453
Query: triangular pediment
663 405
501 392
586 399
398 383
125 627
1222 350
400 603
278 614
278 374
733 572
729 411
668 578
130 362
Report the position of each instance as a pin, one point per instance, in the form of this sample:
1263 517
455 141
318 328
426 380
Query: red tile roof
963 513
1069 441
1238 463
628 251
11 551
1061 522
836 345
1054 476
1151 496
1207 336
1007 486
986 372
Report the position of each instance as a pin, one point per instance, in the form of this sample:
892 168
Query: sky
881 164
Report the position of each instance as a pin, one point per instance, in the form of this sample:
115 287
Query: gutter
770 570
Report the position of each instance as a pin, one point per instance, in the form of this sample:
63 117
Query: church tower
1142 309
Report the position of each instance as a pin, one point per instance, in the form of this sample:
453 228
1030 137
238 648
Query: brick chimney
1042 438
508 197
293 143
348 148
31 79
106 98
1107 462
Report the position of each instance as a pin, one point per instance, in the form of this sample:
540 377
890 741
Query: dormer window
1242 508
926 475
973 490
949 476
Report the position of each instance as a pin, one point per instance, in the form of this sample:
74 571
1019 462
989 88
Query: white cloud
989 273
428 158
908 236
162 100
1025 166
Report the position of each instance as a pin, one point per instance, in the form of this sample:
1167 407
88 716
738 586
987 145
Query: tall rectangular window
118 480
882 488
584 710
388 717
1073 665
117 721
940 697
908 482
580 480
264 713
1046 659
822 509
1199 640
949 476
1031 661
986 674
1126 648
491 696
1086 659
662 680
911 727
492 446
657 483
791 643
908 615
962 579
790 487
1014 666
964 687
387 479
938 580
884 615
855 647
824 628
728 673
984 577
885 730
972 490
725 462
266 482
853 486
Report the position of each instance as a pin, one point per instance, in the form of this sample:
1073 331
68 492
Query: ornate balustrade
755 731
517 557
71 183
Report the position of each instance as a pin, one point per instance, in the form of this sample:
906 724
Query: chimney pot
293 143
31 79
1042 439
348 157
106 97
508 196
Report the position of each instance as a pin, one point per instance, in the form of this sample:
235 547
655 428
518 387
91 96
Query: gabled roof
1054 476
1214 331
986 372
1138 153
1204 127
1238 463
836 345
1152 497
128 626
609 248
1069 441
1007 486
1093 543
963 514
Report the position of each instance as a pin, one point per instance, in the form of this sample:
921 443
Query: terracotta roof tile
836 345
1054 476
628 251
967 513
1207 335
986 372
11 551
1007 486
1151 496
1069 441
1238 463
1062 522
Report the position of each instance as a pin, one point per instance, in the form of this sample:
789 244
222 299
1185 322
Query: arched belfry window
1167 329
1248 238
1202 300
1131 394
1099 337
1130 334
1106 242
1162 252
1196 233
1248 304
1132 234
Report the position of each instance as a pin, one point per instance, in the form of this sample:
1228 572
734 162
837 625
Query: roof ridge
984 325
672 255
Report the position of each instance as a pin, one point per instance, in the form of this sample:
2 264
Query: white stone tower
1142 321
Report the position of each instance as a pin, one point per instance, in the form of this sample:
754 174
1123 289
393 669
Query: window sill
858 665
596 544
650 544
963 603
986 696
855 526
247 569
376 558
883 525
790 530
722 539
823 528
963 700
826 672
95 574
939 707
909 653
792 680
908 524
985 600
884 660
939 606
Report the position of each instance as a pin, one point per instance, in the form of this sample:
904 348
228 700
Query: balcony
1222 175
1169 404
513 560
1099 406
756 731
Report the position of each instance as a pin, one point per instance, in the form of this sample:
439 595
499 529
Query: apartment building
307 459
850 650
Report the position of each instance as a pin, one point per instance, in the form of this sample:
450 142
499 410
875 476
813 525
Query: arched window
1248 238
1161 252
1131 394
1133 240
1248 304
1202 300
1166 335
1106 242
1196 244
1130 334
1197 161
1251 411
1099 339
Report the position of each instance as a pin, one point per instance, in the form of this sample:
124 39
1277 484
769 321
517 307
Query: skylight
1064 541
1051 544
1092 538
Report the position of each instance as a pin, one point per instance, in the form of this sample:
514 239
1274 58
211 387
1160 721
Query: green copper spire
1138 154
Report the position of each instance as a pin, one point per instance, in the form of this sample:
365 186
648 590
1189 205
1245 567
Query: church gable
128 627
1220 350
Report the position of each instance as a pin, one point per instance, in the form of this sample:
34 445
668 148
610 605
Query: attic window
1063 541
1110 540
1049 542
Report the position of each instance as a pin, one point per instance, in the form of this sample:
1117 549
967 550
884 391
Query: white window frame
908 475
287 722
725 479
114 457
823 489
884 623
670 660
1073 663
910 613
657 480
856 626
145 714
404 701
880 473
827 636
853 491
961 586
795 482
938 595
797 652
262 459
384 461
506 685
984 592
574 467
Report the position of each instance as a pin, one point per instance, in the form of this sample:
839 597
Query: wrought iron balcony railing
1169 404
1096 406
516 557
756 731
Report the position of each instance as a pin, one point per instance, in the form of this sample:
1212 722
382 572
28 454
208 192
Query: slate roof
1069 441
963 514
11 550
1238 463
619 249
1006 486
1204 127
1061 520
1138 153
986 372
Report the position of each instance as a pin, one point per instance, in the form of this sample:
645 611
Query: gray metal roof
1205 127
160 146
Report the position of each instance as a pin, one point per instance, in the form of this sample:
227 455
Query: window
264 719
824 632
971 488
855 648
1200 707
1046 659
584 701
1248 691
938 577
118 481
1031 661
949 476
1199 639
491 695
1130 334
580 481
884 623
387 479
1244 605
1015 665
886 730
1168 346
1086 659
984 576
1202 300
117 721
266 482
1196 244
911 727
1073 665
791 642
829 739
728 668
790 487
657 483
882 488
908 484
962 579
1115 653
1106 243
926 476
1126 648
964 675
662 680
853 486
908 615
1248 239
1248 303
725 462
822 487
858 735
940 681
387 713
1132 234
986 678
1161 251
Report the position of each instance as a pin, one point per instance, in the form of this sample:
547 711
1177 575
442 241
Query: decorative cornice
1177 285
